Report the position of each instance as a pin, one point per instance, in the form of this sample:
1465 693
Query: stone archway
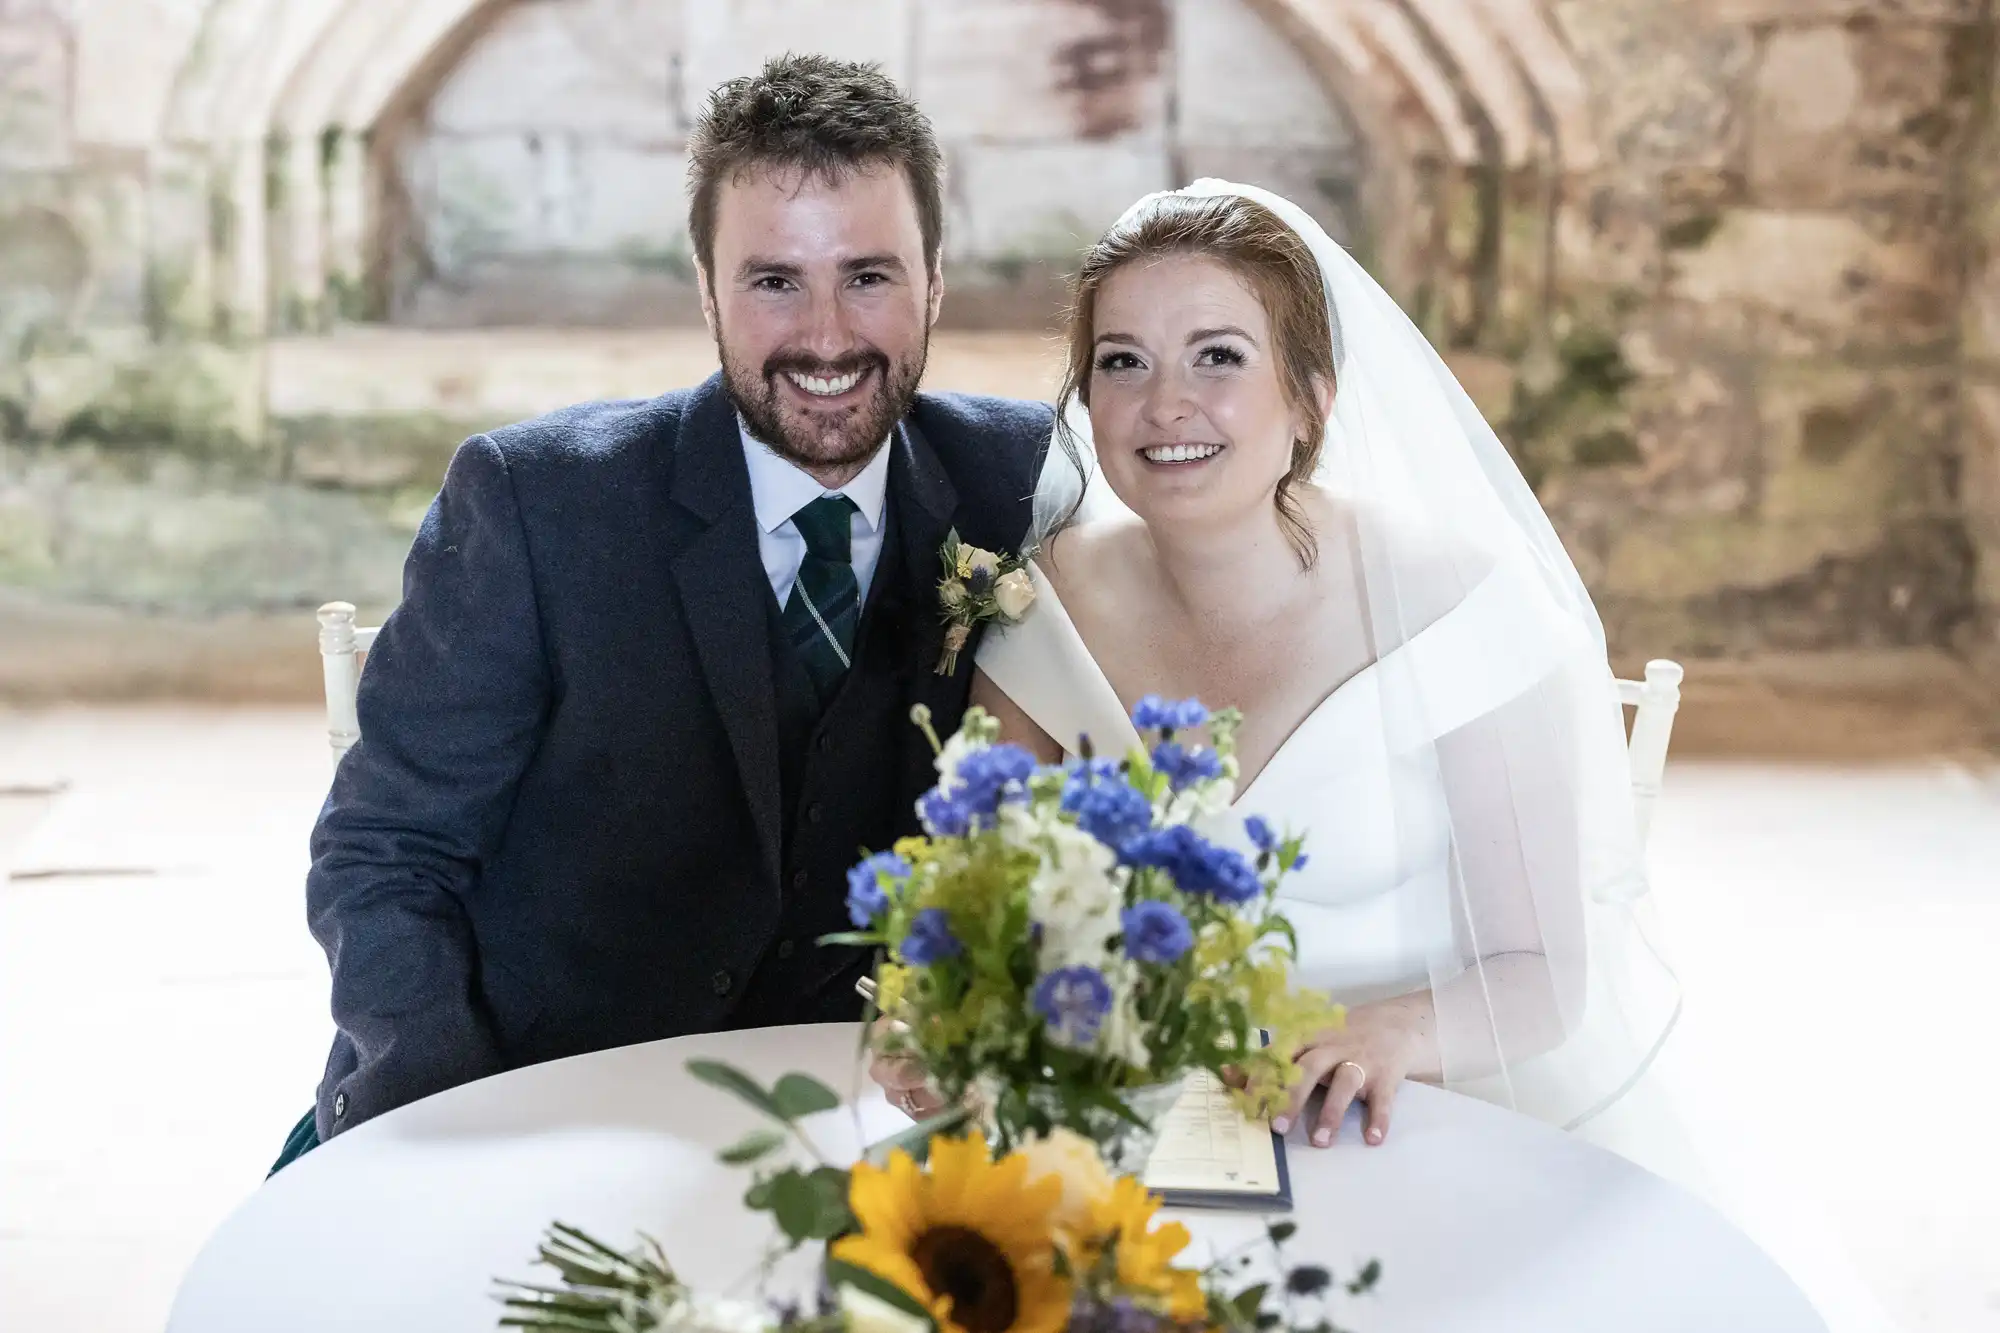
1469 113
1046 143
270 119
1476 116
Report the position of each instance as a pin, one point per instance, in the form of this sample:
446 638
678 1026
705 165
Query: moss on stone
1690 233
346 299
1578 418
152 406
391 453
1605 448
156 532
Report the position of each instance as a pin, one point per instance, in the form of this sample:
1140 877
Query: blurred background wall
1718 269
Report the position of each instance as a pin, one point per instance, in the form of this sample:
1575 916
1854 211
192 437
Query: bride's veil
1552 995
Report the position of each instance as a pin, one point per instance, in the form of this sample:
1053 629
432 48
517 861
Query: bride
1282 501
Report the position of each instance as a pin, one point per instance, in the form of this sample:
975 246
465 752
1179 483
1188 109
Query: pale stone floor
162 1009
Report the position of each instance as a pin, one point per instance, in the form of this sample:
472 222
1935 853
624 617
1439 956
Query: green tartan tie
825 604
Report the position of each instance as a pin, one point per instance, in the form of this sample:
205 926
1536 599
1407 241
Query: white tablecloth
1483 1220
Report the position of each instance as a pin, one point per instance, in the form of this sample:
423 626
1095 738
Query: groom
647 695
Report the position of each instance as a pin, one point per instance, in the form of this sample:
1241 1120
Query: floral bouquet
941 1236
1067 944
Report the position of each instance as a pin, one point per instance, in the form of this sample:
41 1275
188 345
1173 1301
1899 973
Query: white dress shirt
780 488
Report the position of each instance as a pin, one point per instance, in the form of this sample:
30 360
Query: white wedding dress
1465 798
1366 907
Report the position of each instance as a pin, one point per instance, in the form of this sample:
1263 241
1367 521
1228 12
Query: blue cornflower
944 816
1196 865
1153 713
993 776
930 939
1073 1001
1261 833
1185 767
1089 771
866 897
1106 806
1156 932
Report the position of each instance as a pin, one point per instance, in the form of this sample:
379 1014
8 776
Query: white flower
1205 806
1014 594
955 751
1074 897
973 559
1025 824
871 1314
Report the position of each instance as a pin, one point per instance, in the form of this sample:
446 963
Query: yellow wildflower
1123 1220
891 981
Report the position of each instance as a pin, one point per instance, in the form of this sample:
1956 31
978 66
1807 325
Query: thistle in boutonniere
978 586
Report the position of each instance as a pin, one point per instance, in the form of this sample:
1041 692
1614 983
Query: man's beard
836 437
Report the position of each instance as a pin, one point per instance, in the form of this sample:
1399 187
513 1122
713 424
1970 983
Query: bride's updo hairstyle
1253 243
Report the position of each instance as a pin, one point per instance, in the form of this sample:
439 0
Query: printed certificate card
1210 1155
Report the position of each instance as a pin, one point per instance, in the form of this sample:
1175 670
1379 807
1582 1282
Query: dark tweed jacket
561 830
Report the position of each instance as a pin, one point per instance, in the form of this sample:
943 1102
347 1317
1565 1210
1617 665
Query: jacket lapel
926 505
720 575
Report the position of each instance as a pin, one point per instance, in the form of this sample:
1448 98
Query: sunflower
970 1239
1123 1222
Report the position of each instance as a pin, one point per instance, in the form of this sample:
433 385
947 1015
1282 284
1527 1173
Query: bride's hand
1366 1060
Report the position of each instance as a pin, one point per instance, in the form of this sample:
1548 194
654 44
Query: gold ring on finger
1349 1064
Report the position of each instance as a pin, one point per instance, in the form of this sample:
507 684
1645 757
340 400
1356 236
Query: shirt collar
780 488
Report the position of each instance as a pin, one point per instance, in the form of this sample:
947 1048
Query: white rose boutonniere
1014 593
978 586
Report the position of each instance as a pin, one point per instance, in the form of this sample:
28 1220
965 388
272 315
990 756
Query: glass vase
1124 1146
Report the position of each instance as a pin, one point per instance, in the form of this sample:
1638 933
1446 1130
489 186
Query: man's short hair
823 117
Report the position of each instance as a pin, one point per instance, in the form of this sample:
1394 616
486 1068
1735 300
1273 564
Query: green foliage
757 1143
807 1203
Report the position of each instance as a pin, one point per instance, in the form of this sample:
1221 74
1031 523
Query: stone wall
543 181
1721 271
1977 479
1749 422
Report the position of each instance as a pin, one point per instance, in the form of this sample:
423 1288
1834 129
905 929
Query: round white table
1484 1220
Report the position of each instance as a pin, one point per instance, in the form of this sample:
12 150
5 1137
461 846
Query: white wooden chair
341 647
1653 702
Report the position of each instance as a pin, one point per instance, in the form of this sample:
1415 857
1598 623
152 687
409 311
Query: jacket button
823 744
815 812
785 948
722 982
798 879
339 1105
